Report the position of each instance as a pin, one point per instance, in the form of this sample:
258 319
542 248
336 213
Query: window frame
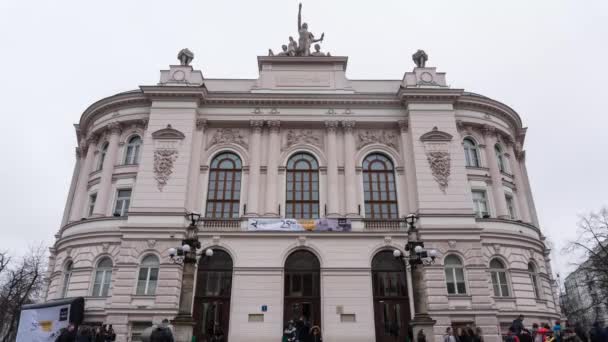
533 273
133 150
510 201
453 268
91 204
498 151
374 180
474 149
478 213
106 278
218 177
102 155
495 273
295 207
149 268
124 209
67 277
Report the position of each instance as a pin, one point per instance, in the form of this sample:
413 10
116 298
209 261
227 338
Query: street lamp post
416 256
187 255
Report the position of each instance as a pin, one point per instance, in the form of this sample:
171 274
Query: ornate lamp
416 254
187 252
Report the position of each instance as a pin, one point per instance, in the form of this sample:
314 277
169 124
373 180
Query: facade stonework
475 204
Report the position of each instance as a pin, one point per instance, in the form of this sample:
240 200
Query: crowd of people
544 332
105 333
300 330
467 334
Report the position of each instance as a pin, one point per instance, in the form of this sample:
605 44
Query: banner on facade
44 322
298 225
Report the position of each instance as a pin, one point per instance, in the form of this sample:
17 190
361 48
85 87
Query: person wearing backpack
511 336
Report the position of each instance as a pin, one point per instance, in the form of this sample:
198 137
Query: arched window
498 273
500 158
379 187
103 277
67 275
302 289
148 276
302 199
454 275
471 152
102 156
133 147
534 279
224 194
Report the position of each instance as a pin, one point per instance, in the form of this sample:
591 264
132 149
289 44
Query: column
272 164
332 169
524 211
350 179
490 140
410 170
183 322
105 186
195 166
421 319
80 196
254 167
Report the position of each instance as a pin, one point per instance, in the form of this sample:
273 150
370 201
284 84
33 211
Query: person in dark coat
84 335
68 334
518 324
580 332
162 333
596 333
99 335
108 333
303 329
315 334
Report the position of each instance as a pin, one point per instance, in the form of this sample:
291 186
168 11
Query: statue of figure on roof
292 49
306 38
185 56
318 52
420 58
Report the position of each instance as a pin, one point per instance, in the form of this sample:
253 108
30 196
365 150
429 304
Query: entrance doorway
212 299
302 300
391 304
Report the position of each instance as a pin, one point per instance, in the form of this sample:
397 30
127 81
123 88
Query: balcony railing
226 225
384 224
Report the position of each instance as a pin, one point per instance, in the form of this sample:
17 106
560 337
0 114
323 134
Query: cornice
121 100
428 95
258 99
478 102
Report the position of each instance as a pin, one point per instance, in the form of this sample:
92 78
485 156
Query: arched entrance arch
391 302
302 302
212 297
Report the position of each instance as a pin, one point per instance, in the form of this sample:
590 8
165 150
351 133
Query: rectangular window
510 206
92 199
137 330
480 203
123 199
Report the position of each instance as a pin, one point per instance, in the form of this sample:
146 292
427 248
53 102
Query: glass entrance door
302 302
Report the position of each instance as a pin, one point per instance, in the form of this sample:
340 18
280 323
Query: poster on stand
299 225
44 322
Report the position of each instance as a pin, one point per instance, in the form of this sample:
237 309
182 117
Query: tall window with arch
133 148
103 277
500 158
224 192
471 152
102 155
534 279
498 272
302 197
379 187
67 275
454 275
148 276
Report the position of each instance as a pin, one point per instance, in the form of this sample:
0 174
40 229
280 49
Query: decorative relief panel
437 149
164 158
227 136
294 137
368 137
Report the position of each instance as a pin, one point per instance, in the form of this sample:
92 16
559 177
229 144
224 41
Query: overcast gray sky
546 59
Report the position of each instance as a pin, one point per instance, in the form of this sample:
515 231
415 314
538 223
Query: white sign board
43 324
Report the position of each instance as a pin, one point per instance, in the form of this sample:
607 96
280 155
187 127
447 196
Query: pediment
168 133
436 136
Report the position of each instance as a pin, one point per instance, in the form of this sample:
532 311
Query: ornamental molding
274 125
228 136
201 124
164 158
403 125
437 148
295 137
331 126
168 133
368 137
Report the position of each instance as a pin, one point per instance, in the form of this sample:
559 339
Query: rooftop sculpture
185 56
305 41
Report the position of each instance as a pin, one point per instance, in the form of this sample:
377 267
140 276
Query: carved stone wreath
164 158
368 137
227 136
303 137
439 162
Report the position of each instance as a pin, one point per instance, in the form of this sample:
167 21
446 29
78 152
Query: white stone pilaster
350 180
80 196
498 193
409 168
195 166
524 210
105 186
272 172
332 169
253 207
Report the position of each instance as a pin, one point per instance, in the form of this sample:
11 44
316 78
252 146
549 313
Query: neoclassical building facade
303 142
